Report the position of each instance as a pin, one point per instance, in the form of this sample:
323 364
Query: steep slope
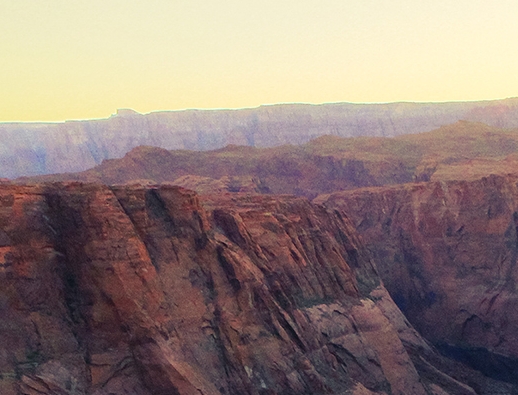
34 148
447 252
142 291
327 164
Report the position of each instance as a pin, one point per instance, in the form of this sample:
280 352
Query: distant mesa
460 151
87 143
126 112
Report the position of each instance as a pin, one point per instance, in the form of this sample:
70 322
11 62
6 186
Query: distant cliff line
43 148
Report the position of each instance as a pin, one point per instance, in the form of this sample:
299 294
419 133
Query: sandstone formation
207 185
447 252
327 164
28 149
145 291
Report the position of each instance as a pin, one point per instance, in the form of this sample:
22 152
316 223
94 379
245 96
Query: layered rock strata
143 291
447 252
28 149
464 150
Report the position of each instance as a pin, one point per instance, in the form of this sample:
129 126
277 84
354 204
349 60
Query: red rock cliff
447 253
143 291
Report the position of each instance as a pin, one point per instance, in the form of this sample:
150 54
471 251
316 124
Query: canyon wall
41 148
447 252
464 150
145 291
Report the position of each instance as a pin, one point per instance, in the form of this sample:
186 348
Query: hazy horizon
114 113
74 60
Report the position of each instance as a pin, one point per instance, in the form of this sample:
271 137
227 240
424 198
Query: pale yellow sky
77 59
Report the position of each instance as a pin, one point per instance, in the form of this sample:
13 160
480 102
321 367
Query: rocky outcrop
28 149
447 252
207 185
144 291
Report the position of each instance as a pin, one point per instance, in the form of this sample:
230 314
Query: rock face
447 252
143 291
327 164
28 149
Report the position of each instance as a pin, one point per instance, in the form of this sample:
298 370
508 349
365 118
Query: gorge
366 265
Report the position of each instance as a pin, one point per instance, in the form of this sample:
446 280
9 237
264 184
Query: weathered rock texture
35 148
447 252
143 291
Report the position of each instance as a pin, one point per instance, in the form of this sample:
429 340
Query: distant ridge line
28 149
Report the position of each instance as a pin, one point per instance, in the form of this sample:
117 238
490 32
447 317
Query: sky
81 59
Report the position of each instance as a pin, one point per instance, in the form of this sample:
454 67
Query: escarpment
461 151
144 291
78 145
447 252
